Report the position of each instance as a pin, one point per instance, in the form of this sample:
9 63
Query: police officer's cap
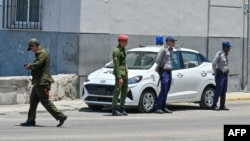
122 37
31 42
170 38
226 44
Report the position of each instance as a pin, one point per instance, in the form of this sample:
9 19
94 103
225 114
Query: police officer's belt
166 70
220 72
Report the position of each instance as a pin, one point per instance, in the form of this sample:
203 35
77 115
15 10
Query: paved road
188 122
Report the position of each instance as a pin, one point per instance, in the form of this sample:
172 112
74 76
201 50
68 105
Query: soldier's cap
170 38
226 44
31 42
122 37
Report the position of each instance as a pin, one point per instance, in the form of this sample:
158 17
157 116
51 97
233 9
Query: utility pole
246 86
245 41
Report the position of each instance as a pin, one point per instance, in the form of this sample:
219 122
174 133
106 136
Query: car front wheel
147 101
207 98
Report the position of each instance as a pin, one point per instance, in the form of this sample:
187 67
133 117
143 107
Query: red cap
122 37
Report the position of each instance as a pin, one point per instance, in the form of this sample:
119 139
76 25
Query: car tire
207 97
147 101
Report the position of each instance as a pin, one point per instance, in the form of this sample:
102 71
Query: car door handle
179 75
203 74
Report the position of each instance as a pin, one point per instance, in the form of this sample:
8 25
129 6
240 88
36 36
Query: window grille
22 14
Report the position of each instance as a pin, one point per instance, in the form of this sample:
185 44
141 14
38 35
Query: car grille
105 90
100 99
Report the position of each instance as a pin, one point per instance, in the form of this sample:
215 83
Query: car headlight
135 79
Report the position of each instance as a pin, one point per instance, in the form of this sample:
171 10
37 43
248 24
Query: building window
22 14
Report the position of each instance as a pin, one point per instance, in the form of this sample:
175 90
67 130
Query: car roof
154 48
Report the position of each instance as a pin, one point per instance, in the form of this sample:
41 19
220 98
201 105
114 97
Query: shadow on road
172 107
34 126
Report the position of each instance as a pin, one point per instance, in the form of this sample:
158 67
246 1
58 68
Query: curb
237 96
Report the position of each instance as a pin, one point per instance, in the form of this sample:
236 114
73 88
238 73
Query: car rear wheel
207 98
147 101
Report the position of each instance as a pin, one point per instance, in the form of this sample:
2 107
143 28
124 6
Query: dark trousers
41 94
221 81
166 78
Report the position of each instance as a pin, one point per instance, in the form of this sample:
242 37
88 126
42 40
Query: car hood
103 73
107 73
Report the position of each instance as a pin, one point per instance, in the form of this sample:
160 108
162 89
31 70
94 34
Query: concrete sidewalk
67 105
63 105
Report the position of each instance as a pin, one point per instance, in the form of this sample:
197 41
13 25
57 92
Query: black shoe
224 108
28 123
124 113
61 121
215 108
116 113
166 110
159 111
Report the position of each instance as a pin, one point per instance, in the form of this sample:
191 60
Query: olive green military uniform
119 59
41 80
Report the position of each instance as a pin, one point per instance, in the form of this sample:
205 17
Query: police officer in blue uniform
164 67
221 70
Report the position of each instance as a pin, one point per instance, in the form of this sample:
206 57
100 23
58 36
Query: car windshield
138 60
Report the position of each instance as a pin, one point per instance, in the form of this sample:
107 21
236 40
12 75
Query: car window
176 61
191 59
203 58
138 60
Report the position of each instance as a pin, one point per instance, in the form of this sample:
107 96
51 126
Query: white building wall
61 15
226 18
145 17
95 16
224 24
236 3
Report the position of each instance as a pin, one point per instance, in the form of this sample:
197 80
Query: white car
192 80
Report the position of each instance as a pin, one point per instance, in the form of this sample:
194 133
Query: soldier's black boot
115 112
61 121
28 123
123 112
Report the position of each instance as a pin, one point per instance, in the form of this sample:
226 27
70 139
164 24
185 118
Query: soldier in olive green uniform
121 76
41 81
